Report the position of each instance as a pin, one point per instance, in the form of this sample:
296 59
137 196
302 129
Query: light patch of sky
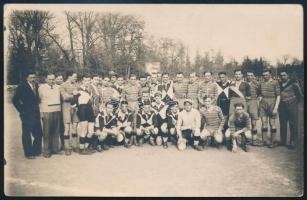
236 30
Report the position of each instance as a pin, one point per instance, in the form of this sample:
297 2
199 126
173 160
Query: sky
236 30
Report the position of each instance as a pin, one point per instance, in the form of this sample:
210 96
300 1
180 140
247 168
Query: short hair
165 73
158 94
69 73
237 70
223 72
250 71
267 70
207 97
95 75
30 72
132 75
239 104
207 72
58 74
143 77
124 102
283 71
179 73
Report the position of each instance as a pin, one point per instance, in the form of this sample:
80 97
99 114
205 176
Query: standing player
212 122
166 88
144 85
131 93
68 89
180 90
85 115
119 84
193 88
252 104
239 90
239 128
188 126
290 95
268 107
207 88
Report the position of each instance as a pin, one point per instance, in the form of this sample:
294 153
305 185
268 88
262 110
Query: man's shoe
84 152
47 155
30 157
90 150
76 150
105 147
99 148
245 148
141 141
165 145
67 152
198 148
292 147
151 141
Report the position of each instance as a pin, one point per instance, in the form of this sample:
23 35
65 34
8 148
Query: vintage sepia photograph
153 100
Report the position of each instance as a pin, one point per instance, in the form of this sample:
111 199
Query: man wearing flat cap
188 125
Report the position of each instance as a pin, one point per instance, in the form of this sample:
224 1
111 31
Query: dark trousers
288 112
51 133
31 125
187 134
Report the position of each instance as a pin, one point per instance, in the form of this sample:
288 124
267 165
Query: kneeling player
212 123
124 118
188 126
107 131
239 128
146 125
160 108
172 117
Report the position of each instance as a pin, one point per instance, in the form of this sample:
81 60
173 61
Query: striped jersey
269 89
131 92
254 88
193 90
180 90
212 117
208 89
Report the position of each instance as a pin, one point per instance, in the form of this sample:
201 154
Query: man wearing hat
124 118
171 118
188 126
193 88
146 125
160 108
212 123
180 90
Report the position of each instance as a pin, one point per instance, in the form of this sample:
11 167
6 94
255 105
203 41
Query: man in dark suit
26 101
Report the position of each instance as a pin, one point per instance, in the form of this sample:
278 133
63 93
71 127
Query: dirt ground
151 171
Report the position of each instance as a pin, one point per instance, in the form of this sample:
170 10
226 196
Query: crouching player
146 125
106 128
188 126
124 118
172 117
239 128
212 123
160 108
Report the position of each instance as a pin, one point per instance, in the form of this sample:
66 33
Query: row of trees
98 42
